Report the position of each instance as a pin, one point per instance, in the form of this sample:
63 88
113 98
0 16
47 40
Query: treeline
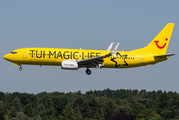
93 105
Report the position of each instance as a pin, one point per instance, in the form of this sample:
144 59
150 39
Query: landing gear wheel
20 69
88 72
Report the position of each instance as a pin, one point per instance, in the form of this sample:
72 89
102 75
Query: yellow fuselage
54 56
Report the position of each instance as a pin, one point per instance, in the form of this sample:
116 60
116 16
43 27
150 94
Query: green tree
67 114
80 103
177 114
174 103
162 102
59 105
25 98
21 116
109 109
125 102
156 117
92 108
167 105
28 110
150 103
122 116
77 114
89 92
12 112
7 102
134 92
1 96
40 108
48 103
125 109
148 113
108 93
48 114
118 101
96 92
3 111
79 93
166 113
16 104
122 94
38 118
103 100
137 108
124 106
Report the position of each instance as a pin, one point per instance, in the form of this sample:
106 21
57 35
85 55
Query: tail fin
160 43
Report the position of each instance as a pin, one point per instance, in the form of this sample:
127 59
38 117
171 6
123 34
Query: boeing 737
73 59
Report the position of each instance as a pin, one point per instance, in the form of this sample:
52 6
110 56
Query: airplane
73 59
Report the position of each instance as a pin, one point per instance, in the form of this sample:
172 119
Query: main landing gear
20 69
88 71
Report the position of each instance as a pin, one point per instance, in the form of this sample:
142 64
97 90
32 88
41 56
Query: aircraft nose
6 56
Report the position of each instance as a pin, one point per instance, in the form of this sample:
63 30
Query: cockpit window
14 52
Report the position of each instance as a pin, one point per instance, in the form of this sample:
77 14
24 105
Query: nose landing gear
88 71
20 69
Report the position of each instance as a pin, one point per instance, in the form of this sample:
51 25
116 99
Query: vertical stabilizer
160 43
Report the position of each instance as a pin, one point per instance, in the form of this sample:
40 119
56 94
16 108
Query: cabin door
25 54
142 59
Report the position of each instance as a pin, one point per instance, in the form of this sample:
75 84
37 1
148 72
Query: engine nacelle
69 65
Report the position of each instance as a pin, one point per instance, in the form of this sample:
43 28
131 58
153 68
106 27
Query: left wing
97 61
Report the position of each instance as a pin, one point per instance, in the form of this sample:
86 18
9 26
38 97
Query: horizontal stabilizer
167 55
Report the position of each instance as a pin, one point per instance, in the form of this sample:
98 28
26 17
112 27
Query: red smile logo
160 47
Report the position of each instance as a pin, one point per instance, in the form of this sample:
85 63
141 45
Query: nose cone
6 57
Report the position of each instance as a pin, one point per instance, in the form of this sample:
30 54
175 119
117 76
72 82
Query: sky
90 25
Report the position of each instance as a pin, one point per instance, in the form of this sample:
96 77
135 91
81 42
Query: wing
97 61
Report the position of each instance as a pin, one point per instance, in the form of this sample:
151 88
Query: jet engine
69 65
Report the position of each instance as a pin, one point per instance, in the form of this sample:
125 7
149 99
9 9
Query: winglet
110 46
114 50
